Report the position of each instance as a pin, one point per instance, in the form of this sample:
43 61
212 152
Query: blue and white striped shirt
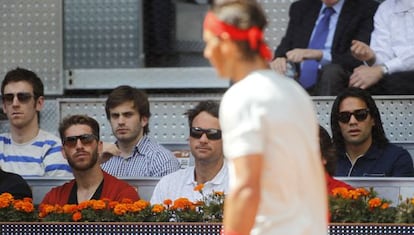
149 159
41 156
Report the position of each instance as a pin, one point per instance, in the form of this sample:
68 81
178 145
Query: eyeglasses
212 134
23 97
86 139
359 114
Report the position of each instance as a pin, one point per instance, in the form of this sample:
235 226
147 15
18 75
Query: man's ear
144 121
39 103
63 153
100 147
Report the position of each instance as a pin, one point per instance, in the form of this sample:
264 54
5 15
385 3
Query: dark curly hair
208 106
378 134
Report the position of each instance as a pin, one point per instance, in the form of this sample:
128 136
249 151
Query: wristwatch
384 68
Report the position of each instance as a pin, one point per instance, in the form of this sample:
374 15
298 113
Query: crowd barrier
108 228
389 188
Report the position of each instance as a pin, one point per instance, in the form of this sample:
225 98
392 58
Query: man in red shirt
81 145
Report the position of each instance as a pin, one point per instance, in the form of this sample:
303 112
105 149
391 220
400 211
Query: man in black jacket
351 19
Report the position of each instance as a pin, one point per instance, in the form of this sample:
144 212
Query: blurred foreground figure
270 131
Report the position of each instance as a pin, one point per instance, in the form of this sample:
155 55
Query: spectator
318 42
207 148
28 150
128 111
277 183
359 137
329 160
14 184
81 145
391 54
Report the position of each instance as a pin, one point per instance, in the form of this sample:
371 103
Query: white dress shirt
393 35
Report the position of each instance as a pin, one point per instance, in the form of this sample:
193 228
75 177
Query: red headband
253 35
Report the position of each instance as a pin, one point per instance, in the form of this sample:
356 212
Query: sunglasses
86 139
360 115
23 97
212 134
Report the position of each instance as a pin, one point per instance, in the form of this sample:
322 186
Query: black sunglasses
23 97
212 134
359 114
86 139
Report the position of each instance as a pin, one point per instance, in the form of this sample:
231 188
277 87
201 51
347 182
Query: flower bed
358 212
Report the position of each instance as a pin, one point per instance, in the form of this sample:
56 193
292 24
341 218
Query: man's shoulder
152 146
393 148
362 4
47 135
305 3
114 181
178 176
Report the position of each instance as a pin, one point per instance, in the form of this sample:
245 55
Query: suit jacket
354 22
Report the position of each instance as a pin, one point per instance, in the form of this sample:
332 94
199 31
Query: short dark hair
19 75
327 151
124 94
378 134
242 14
78 120
208 106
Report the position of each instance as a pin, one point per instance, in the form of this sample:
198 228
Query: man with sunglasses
28 150
134 153
81 145
363 149
206 147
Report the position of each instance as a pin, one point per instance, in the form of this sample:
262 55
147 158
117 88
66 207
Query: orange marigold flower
83 205
21 205
167 202
141 204
362 191
374 202
340 192
183 203
112 204
199 187
28 199
46 209
69 208
385 205
218 193
412 200
126 200
157 208
120 209
98 204
76 216
5 200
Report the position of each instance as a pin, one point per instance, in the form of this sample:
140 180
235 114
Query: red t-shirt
113 189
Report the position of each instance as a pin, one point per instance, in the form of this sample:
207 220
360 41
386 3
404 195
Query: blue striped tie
309 72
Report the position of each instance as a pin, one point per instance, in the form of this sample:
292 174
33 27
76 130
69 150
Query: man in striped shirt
27 150
137 155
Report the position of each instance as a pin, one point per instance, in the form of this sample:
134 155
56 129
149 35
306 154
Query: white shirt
393 37
271 115
181 184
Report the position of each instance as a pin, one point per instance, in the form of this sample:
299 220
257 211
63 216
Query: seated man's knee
333 79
